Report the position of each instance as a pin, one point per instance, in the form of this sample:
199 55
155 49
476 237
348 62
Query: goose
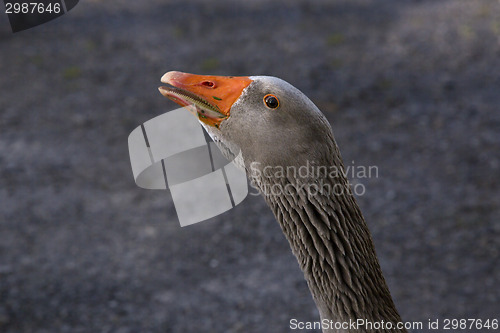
275 131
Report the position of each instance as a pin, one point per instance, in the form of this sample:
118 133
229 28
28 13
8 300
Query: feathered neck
331 241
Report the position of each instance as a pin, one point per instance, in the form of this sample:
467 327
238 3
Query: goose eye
271 101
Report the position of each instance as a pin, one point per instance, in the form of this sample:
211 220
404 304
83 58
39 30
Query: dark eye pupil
272 102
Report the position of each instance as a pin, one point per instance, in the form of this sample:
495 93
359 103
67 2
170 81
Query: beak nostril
208 84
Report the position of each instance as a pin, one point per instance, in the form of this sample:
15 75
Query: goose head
265 118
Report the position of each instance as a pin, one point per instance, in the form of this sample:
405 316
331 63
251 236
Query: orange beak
207 96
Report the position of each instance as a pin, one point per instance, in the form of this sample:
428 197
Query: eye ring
271 101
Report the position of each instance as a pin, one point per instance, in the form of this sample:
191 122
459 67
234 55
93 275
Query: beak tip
160 89
169 76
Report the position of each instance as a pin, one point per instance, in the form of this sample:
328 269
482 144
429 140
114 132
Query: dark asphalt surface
412 87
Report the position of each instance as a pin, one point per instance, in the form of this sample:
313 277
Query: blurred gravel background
412 87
